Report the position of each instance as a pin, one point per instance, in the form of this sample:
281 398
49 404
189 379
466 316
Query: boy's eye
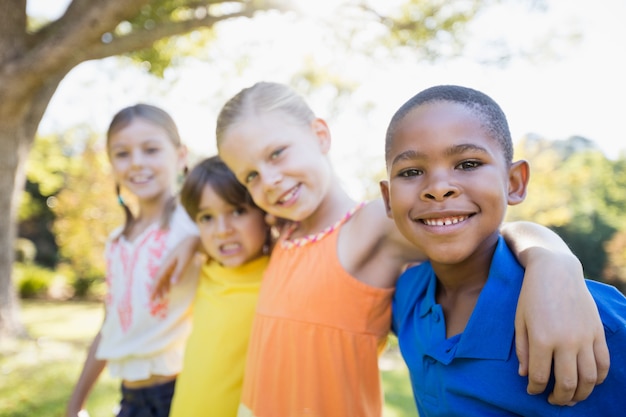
152 150
469 165
120 154
410 172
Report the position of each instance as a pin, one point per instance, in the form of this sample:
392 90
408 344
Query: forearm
534 244
92 369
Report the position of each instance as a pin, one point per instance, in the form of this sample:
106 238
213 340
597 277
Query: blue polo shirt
475 373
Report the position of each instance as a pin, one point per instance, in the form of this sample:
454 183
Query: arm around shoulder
557 322
183 260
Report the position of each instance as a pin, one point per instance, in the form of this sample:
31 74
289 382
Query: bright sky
581 91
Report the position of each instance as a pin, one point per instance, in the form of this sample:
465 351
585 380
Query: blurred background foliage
69 208
579 193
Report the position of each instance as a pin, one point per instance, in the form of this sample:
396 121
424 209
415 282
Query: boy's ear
321 130
384 190
519 174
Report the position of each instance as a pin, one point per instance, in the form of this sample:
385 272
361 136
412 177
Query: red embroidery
154 245
158 308
125 306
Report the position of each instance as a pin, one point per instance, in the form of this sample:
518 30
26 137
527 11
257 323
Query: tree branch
142 39
77 35
83 18
61 44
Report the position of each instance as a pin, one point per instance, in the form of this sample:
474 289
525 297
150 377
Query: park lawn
37 374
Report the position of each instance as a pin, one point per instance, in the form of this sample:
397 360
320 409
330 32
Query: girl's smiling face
282 163
231 235
145 160
449 182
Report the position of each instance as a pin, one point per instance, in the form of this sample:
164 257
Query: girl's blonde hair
160 118
261 98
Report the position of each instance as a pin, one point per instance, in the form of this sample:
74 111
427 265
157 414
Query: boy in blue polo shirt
451 176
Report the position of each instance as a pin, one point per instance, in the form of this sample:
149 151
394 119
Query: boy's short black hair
493 118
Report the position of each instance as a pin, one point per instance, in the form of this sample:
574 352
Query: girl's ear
519 174
182 157
321 130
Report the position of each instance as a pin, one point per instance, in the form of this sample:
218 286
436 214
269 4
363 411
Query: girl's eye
152 150
203 218
239 211
469 165
120 154
410 172
276 153
250 177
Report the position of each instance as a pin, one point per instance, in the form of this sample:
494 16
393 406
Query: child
324 309
235 238
449 162
141 340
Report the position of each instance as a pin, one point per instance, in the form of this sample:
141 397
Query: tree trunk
18 126
10 176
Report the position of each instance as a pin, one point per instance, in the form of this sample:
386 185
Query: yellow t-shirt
212 376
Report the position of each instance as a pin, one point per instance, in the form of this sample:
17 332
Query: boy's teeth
446 221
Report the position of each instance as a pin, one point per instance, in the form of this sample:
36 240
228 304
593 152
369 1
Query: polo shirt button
436 317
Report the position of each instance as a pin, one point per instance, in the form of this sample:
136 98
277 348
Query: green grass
37 375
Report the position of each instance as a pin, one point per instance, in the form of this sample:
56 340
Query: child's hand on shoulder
184 257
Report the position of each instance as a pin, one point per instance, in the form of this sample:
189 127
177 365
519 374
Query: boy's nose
439 188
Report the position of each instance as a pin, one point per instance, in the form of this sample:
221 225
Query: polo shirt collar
490 330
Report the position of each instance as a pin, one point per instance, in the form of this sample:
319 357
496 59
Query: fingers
270 219
539 367
160 289
566 378
587 375
576 372
199 259
164 280
579 367
521 348
534 354
177 272
602 357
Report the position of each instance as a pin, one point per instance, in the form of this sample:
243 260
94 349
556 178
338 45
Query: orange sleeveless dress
316 338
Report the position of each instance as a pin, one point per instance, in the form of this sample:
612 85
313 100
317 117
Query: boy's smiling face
449 182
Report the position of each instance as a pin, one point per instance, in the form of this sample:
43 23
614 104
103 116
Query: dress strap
286 243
